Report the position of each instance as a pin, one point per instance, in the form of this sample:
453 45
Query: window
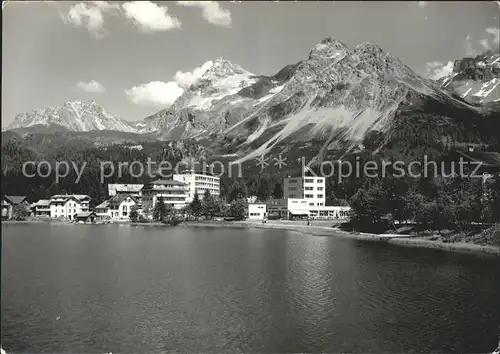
309 180
319 180
309 188
320 188
320 195
320 204
292 188
309 196
311 204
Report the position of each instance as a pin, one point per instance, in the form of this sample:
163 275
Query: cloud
164 94
422 4
211 11
469 50
155 93
492 43
89 15
149 17
91 86
495 32
436 70
186 79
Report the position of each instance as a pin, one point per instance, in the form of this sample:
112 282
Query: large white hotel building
198 182
305 187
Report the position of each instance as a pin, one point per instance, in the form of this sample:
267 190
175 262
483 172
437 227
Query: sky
135 58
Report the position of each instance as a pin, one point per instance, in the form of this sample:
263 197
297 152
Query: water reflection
109 288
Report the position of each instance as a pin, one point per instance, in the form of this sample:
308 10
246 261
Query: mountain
477 79
336 95
213 103
76 116
330 100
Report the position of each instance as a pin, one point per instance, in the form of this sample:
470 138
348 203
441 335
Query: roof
43 202
67 196
103 205
81 196
84 214
299 213
119 198
15 199
130 188
165 182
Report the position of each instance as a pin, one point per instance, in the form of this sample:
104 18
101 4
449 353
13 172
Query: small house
11 201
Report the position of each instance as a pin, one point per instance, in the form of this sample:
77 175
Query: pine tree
133 215
160 210
237 209
195 206
208 205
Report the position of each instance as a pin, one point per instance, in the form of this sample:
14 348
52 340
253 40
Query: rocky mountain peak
222 68
368 48
328 48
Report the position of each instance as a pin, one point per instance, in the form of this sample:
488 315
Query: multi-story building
256 211
117 208
124 189
307 187
277 208
173 192
298 208
66 206
41 208
198 183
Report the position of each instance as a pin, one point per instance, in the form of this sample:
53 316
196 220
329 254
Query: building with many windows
66 206
124 189
256 211
307 187
198 182
173 192
41 208
117 208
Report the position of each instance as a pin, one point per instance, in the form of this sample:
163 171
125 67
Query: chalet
41 208
117 207
66 206
120 206
102 211
124 189
9 202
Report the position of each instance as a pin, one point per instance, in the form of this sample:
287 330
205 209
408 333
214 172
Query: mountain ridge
335 93
72 115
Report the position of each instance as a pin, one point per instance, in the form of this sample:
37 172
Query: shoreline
314 230
393 239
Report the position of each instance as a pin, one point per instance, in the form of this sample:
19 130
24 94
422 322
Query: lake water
84 288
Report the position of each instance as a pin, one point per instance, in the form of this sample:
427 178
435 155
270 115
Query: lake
117 288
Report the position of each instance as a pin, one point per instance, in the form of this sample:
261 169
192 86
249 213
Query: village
303 198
